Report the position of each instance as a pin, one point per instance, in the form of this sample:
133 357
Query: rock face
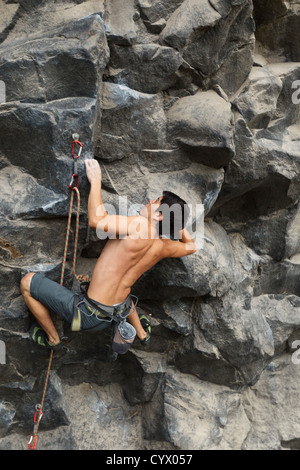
200 97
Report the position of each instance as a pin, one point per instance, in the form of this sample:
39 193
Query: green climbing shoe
38 335
145 322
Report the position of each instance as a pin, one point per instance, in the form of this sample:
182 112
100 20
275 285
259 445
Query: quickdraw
37 418
75 160
39 408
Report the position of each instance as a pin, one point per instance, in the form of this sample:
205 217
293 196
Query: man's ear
158 217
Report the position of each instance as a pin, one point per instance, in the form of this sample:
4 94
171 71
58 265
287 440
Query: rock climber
134 245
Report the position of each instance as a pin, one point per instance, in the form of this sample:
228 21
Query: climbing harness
123 333
74 187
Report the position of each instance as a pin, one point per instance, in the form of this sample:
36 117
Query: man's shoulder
136 224
177 249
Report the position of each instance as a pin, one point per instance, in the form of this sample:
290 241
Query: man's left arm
98 218
177 249
96 209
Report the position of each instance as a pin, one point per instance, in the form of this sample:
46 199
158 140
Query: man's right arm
177 249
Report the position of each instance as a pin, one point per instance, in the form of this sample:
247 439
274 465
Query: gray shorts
64 302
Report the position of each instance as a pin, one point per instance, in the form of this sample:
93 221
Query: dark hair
175 213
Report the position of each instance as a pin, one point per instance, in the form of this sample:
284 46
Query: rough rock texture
196 96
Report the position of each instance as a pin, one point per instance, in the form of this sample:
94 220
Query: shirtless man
134 246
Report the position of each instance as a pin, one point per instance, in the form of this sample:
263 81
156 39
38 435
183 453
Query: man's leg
40 312
134 320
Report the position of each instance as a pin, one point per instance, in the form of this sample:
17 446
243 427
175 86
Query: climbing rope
74 187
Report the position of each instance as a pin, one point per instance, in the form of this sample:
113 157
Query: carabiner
73 148
75 169
32 447
72 181
38 413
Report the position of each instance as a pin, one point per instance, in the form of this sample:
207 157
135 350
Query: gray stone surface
197 97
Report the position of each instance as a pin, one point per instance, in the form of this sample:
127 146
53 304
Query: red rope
37 418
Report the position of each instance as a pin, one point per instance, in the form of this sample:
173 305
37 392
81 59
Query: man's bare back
121 263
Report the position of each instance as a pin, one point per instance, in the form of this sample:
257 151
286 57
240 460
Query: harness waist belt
117 313
107 313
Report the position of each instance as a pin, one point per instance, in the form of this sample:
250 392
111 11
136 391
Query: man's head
169 211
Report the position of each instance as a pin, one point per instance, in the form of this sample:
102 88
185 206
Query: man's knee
25 283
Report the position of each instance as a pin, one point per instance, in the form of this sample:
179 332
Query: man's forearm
96 209
185 237
188 241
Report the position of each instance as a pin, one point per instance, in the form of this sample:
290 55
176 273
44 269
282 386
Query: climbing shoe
145 322
38 335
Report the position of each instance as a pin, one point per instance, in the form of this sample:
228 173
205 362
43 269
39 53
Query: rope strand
77 277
